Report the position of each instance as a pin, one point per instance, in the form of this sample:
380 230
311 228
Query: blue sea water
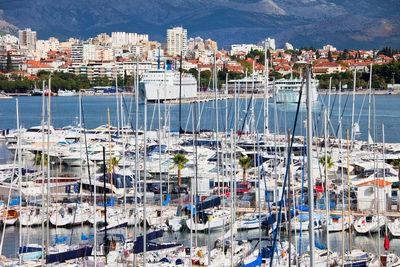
65 111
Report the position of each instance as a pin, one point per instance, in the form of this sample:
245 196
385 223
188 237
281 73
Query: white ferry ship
164 85
288 90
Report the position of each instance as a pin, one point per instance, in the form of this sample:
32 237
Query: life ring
140 167
330 186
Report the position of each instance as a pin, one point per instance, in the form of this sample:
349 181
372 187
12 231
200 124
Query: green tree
194 72
245 163
205 78
9 66
330 56
329 161
179 162
38 159
276 74
111 164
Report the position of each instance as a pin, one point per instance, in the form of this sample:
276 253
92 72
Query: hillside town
97 60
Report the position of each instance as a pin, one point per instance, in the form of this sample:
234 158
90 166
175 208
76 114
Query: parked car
222 191
242 188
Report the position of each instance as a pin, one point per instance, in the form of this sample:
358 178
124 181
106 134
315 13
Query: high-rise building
177 41
89 52
211 45
77 52
27 39
124 38
269 43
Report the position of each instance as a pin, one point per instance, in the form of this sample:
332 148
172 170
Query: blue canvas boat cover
318 245
26 249
255 263
86 237
69 255
214 202
59 240
166 201
138 248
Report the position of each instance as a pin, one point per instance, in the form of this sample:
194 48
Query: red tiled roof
320 70
40 66
284 67
327 64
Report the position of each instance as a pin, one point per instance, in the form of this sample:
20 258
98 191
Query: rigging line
259 116
86 146
329 120
245 117
341 115
235 101
152 117
333 104
287 170
362 107
188 117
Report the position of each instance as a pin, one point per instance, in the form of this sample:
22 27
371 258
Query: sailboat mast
123 157
348 187
144 184
159 155
216 120
326 180
48 167
180 97
266 115
289 202
137 171
105 204
384 177
19 179
309 169
369 104
352 110
42 163
117 96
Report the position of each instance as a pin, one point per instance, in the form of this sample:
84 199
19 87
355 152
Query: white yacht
66 92
164 85
288 90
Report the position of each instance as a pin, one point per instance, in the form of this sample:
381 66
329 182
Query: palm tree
114 162
180 162
245 163
396 163
329 161
38 159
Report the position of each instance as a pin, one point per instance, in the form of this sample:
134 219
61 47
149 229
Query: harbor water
65 110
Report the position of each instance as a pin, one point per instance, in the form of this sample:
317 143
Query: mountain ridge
367 24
